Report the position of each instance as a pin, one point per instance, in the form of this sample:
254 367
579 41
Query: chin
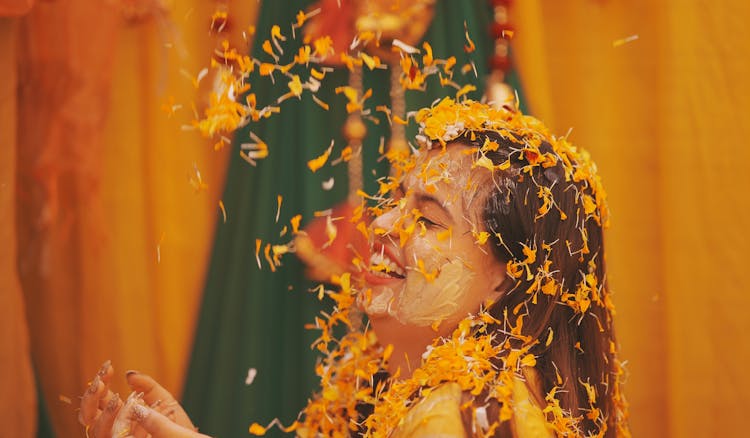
374 301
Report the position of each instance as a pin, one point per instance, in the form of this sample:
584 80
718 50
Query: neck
409 344
405 362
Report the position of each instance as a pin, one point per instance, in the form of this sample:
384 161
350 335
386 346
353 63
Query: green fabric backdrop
255 318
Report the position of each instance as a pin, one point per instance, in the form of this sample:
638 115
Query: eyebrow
424 198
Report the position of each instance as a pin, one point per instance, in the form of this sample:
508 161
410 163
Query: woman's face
427 267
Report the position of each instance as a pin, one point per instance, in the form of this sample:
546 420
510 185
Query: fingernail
105 367
130 373
139 413
94 385
113 402
134 397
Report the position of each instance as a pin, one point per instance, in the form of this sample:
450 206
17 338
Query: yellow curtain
658 92
113 224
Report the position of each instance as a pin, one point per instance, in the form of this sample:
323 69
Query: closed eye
428 223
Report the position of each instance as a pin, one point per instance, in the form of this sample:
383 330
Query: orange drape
666 118
113 236
10 8
18 395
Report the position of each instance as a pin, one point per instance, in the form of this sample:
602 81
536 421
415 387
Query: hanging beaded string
398 108
501 32
355 132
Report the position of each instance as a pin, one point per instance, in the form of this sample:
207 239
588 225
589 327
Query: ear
502 284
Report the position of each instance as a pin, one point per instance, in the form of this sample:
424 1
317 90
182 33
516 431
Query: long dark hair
546 209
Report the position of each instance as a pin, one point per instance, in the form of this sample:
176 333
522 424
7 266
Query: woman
485 292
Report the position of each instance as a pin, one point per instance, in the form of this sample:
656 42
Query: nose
386 221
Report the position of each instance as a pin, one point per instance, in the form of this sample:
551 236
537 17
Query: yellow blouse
438 415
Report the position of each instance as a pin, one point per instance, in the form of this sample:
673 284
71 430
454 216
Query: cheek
425 301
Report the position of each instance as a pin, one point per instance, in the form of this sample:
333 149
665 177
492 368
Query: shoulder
528 419
447 411
437 414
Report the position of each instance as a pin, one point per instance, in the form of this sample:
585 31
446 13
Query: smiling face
427 268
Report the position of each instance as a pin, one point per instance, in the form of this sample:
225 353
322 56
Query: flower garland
468 358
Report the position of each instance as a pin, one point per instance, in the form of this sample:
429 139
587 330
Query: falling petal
317 163
622 41
251 373
223 210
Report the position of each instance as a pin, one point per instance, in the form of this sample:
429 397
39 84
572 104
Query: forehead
439 168
446 174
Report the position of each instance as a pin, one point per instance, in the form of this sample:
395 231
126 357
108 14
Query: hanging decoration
497 90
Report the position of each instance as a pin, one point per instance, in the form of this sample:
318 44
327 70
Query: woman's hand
158 398
151 411
136 420
99 405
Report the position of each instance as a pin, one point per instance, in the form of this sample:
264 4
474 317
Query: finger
90 401
123 424
155 395
105 398
140 432
105 372
160 426
103 425
151 389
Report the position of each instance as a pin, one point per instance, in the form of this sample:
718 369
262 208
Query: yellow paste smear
419 305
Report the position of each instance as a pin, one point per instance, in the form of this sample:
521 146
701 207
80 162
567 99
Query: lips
383 266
